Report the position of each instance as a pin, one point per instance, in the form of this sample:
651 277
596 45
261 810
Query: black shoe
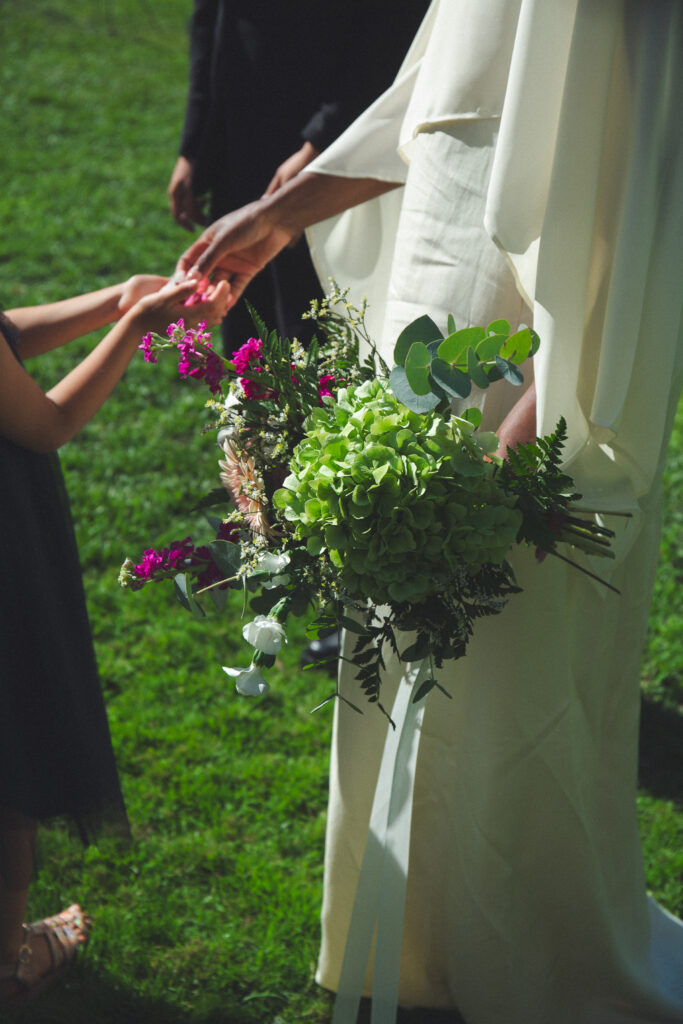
322 653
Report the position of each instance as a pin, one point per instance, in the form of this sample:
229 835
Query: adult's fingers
189 258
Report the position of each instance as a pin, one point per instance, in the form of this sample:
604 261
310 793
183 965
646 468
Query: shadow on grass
661 751
100 999
94 997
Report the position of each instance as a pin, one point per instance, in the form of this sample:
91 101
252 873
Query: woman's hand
235 248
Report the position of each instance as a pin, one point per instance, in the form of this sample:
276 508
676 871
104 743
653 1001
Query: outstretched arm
236 247
53 324
43 422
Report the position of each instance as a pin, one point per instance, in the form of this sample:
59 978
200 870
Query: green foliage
432 370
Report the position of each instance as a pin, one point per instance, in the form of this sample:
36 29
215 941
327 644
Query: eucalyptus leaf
472 415
451 328
493 373
405 394
517 347
476 372
490 347
509 371
498 327
454 382
454 347
421 330
535 342
417 366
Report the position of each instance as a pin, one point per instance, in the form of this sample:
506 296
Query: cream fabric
550 126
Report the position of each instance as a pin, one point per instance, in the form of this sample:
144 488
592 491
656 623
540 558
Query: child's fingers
219 293
176 290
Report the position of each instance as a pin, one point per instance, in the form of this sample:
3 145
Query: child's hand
137 287
156 311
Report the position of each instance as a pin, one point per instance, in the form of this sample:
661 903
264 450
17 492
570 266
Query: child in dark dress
55 752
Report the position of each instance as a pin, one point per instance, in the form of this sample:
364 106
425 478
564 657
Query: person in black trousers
271 85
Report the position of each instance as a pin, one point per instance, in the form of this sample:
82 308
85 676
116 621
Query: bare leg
17 842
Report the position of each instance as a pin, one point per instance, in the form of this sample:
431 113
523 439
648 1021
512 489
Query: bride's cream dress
541 152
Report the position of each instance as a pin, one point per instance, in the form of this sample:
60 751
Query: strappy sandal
64 935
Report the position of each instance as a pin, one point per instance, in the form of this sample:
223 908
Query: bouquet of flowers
356 495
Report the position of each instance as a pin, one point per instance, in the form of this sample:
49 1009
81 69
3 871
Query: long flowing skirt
526 899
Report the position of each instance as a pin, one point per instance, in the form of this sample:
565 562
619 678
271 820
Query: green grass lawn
212 913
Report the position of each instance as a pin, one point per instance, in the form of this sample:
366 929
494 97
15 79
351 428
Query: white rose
248 681
265 633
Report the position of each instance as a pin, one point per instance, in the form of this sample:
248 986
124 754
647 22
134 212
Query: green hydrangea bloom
399 501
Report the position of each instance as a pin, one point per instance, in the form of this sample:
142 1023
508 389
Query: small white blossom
248 681
270 562
265 633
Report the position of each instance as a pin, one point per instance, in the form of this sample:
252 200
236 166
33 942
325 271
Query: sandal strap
64 935
20 970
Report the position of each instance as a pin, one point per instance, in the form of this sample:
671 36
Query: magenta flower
247 354
146 349
157 564
197 359
201 293
253 391
324 385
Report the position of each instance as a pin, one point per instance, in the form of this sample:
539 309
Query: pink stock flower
182 555
252 391
200 362
247 354
201 293
155 564
146 349
324 385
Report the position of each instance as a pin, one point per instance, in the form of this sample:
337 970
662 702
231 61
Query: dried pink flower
245 487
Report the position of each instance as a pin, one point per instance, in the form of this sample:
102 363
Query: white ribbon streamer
381 892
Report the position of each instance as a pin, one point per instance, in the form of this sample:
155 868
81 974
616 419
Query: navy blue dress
56 758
